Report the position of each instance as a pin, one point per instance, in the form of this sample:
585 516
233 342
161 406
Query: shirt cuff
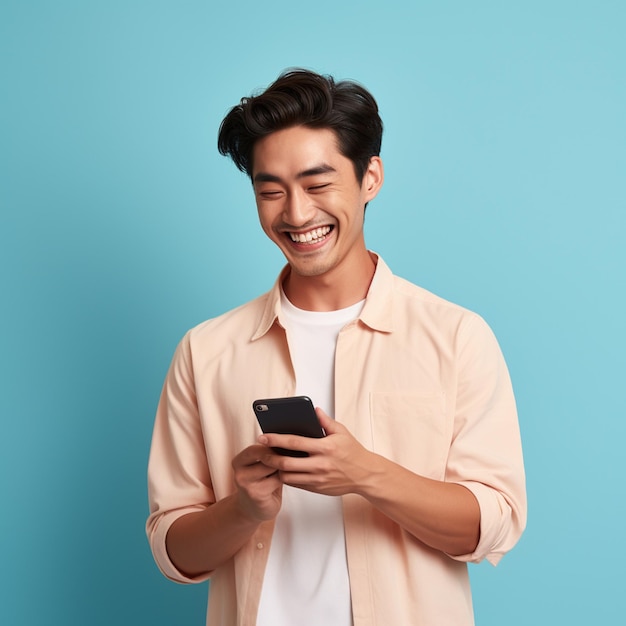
159 549
495 525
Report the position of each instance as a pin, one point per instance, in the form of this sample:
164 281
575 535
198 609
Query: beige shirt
419 380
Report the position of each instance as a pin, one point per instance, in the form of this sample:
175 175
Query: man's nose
298 208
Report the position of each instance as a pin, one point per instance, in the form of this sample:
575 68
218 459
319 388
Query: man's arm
445 516
199 542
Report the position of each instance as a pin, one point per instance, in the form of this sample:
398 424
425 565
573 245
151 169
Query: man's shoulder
388 285
416 295
238 323
416 310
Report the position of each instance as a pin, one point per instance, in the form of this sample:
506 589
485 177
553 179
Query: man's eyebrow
265 177
315 171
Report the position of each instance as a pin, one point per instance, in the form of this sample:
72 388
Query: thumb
328 423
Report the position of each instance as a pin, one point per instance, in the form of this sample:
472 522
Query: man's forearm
445 516
201 541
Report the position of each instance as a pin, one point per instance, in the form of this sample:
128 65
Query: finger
326 421
249 456
290 466
288 442
258 471
259 483
329 425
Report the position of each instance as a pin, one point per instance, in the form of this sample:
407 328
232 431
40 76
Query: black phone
288 416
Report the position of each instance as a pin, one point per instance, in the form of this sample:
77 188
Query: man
421 470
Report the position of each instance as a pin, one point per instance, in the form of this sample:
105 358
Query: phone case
288 416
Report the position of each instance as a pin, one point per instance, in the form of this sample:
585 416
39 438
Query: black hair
301 97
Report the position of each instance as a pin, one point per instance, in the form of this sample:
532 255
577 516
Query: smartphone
288 416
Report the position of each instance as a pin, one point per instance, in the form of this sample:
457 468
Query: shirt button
259 546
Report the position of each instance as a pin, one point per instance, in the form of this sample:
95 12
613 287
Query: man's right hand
259 488
199 542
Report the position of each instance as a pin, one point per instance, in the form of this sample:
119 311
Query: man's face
309 201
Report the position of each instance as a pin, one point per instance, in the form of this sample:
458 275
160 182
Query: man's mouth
311 236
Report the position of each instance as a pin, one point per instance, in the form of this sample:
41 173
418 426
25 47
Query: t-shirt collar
377 312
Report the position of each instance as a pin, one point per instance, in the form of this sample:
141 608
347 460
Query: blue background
121 227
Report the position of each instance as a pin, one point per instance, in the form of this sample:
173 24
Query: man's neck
338 289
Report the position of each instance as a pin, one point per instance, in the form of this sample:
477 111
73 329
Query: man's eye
270 193
319 187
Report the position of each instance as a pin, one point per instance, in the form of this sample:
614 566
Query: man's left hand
337 464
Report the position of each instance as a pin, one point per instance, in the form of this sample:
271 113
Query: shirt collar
377 312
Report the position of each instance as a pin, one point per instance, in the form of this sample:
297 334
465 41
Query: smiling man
310 204
421 467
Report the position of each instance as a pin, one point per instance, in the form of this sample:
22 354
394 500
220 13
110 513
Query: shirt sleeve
179 481
486 452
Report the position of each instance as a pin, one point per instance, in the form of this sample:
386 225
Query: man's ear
373 178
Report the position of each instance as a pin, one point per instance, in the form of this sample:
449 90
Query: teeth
310 236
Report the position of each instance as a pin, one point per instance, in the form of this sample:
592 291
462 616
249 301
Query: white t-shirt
306 581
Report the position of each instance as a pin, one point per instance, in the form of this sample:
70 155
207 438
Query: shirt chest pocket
412 430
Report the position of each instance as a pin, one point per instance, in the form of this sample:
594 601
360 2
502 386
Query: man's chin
309 268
